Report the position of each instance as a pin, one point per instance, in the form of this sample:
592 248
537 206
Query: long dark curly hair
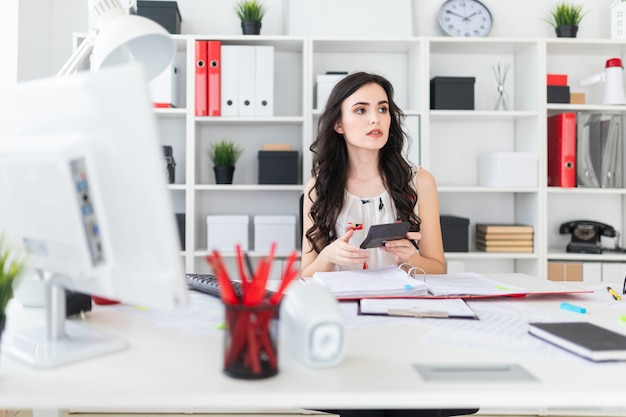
330 163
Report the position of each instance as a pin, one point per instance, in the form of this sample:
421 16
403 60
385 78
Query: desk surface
173 369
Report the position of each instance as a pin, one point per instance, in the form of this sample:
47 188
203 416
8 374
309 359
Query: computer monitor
83 193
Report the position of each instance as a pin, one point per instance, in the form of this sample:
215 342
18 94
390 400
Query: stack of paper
468 284
380 282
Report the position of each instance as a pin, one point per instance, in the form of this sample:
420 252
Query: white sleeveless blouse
367 211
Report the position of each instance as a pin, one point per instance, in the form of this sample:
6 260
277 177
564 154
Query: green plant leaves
250 10
11 267
225 153
566 14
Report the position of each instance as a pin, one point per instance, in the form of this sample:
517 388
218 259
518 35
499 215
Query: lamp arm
83 50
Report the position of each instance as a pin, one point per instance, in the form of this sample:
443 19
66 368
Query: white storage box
225 232
279 229
325 84
164 87
507 169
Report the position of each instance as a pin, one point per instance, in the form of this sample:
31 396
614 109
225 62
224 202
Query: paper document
417 307
469 283
388 281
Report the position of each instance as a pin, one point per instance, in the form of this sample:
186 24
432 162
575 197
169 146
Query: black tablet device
380 233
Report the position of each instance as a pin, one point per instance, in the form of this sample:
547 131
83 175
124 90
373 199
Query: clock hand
456 14
468 17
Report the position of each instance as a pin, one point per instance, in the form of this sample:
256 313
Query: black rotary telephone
586 236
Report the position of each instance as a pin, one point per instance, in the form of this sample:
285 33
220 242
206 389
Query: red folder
201 78
213 80
562 150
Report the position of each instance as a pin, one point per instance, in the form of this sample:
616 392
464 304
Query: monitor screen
83 192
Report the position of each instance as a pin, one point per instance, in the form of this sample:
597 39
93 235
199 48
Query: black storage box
278 167
165 13
455 233
558 94
452 93
180 222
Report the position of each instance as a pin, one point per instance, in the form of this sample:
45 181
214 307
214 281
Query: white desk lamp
121 38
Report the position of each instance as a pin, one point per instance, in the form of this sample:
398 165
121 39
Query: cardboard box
565 271
325 84
274 228
452 93
455 233
165 13
278 167
577 98
507 169
225 232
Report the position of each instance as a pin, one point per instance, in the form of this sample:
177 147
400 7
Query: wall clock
468 18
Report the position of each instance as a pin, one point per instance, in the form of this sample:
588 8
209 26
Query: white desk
168 369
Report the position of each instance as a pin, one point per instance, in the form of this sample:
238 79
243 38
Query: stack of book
504 237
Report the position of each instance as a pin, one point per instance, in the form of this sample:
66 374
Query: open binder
394 282
390 281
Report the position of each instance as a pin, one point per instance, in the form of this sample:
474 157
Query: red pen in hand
356 226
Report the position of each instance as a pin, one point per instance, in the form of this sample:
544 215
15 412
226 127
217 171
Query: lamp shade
132 38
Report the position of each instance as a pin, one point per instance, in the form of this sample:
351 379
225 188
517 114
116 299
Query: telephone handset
586 235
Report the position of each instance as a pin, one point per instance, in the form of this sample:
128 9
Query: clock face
465 18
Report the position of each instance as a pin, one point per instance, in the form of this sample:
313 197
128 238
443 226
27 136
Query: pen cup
251 341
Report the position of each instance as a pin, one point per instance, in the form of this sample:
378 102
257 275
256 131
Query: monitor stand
60 341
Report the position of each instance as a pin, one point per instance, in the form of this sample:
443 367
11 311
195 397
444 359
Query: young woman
360 178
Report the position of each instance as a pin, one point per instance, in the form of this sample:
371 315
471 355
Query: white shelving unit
446 142
579 59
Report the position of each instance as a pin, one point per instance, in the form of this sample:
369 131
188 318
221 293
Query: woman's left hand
403 249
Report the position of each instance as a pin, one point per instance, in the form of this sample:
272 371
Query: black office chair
300 214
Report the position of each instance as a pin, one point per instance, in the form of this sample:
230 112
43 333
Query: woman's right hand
341 252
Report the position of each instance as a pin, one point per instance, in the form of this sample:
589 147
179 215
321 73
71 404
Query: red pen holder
250 341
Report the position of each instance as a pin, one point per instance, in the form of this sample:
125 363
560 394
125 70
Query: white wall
9 41
24 35
512 18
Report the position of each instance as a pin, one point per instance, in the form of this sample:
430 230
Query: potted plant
251 14
224 155
11 267
565 18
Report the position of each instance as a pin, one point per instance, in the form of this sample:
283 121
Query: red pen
288 276
356 226
227 292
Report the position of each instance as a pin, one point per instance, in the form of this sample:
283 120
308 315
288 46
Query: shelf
474 45
247 187
446 142
251 254
177 187
478 189
553 108
175 113
481 115
490 255
286 120
585 191
554 255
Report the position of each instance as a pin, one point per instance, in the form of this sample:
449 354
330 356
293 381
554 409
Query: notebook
585 339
